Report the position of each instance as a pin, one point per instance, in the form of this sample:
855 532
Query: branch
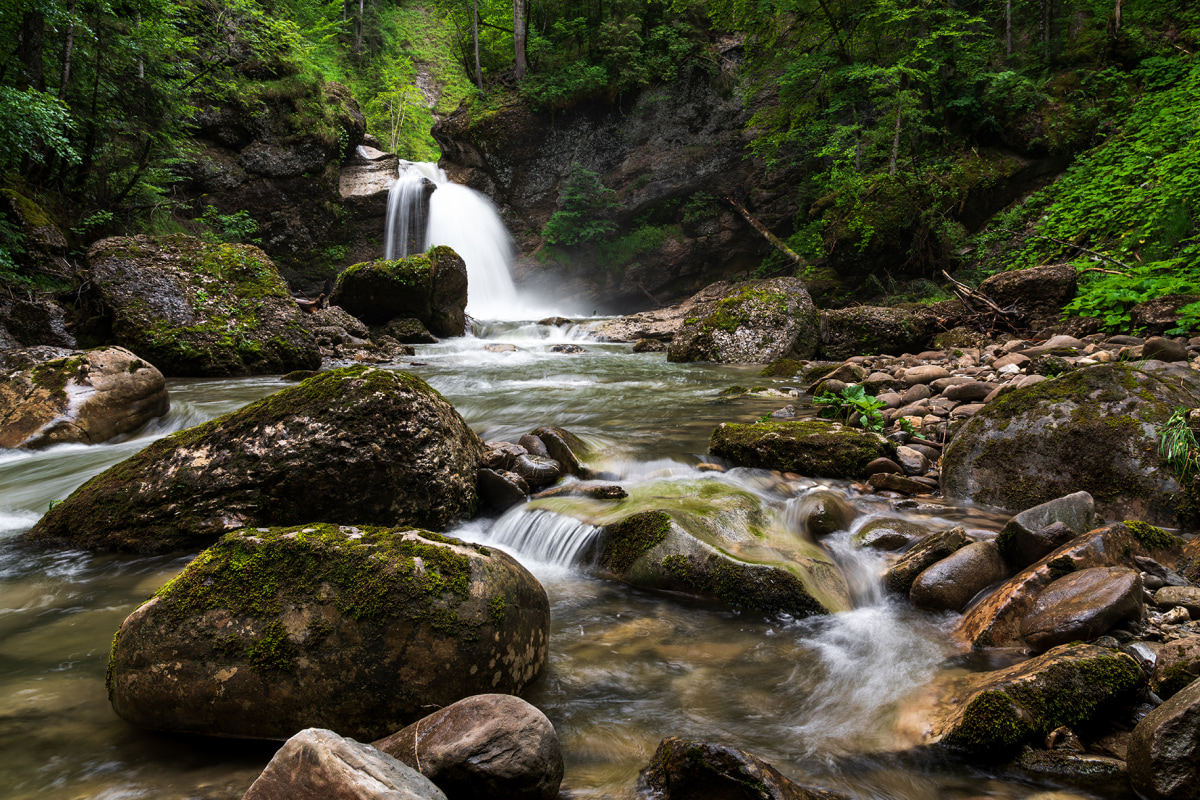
1072 244
775 241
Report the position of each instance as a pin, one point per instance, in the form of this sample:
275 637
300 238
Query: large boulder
813 448
708 540
431 287
33 323
358 629
992 714
1092 430
1083 605
358 445
490 745
1031 534
755 322
1038 294
197 309
1164 751
996 620
318 764
87 398
686 770
870 330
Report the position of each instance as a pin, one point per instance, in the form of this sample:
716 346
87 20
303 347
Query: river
827 701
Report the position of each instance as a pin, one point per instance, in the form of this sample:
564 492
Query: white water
466 221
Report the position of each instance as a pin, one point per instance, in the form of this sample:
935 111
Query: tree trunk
1008 28
68 49
358 34
475 39
1117 17
896 137
520 21
29 49
775 241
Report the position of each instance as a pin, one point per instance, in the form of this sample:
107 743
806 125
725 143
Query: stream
827 701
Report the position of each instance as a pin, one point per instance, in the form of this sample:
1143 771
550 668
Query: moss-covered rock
197 309
755 322
1177 665
273 630
814 448
707 539
431 287
358 445
871 330
87 398
993 714
1092 430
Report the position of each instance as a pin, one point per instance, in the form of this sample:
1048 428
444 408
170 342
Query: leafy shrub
851 402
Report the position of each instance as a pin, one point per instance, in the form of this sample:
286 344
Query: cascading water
462 219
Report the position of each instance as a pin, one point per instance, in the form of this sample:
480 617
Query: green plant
583 208
236 227
906 426
1177 444
851 402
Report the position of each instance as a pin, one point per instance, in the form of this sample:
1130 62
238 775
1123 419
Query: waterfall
543 536
463 219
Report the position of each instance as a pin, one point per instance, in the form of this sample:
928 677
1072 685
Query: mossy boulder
431 287
813 448
358 629
1092 430
710 540
1177 665
755 322
871 330
86 398
993 714
358 445
201 310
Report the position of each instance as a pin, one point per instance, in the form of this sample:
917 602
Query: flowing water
825 700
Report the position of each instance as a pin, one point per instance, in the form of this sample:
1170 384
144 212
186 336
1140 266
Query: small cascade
462 219
543 536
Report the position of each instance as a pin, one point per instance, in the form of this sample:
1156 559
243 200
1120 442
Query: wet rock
353 628
397 452
683 770
996 620
822 513
1091 430
556 322
914 462
568 349
533 445
864 330
883 465
813 448
755 322
1082 606
949 584
501 455
491 745
318 764
88 398
1188 562
1073 768
564 447
1186 596
431 287
502 490
197 309
408 330
1031 534
649 346
537 471
1163 349
595 491
900 576
1176 665
1164 751
992 714
889 533
900 484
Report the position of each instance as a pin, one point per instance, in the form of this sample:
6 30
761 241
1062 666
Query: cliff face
671 153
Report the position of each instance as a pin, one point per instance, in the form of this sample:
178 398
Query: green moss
31 212
112 663
991 720
744 586
631 538
53 376
1061 567
272 651
732 312
814 448
1150 537
783 368
496 610
732 390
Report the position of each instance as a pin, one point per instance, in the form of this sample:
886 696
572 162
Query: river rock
1094 430
823 512
996 620
912 461
1039 293
888 533
318 764
1186 596
358 629
869 330
1188 562
900 576
1082 606
813 448
33 323
1064 766
1177 664
992 714
1030 535
755 322
430 287
491 745
708 540
1164 751
197 309
949 584
686 770
926 373
502 490
395 450
564 447
87 398
1163 349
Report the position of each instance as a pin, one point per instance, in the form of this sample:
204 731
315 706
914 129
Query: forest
882 107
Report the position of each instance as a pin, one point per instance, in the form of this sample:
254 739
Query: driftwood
775 241
984 313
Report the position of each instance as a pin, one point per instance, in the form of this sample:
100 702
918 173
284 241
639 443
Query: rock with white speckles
356 629
754 322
